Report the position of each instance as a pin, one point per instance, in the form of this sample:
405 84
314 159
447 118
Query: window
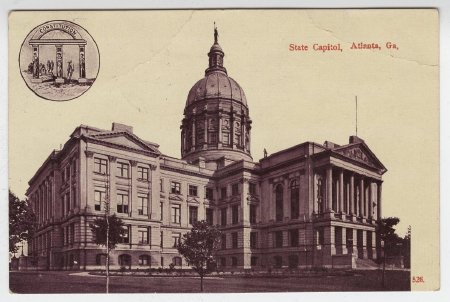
100 259
175 187
223 262
144 260
234 240
235 189
279 203
210 216
253 261
161 237
223 216
223 192
226 138
125 260
161 210
67 201
176 214
161 185
100 165
223 242
293 261
252 213
125 237
123 170
213 137
74 196
234 261
252 188
193 214
192 190
142 205
176 240
234 214
99 199
142 173
72 233
253 239
295 204
209 193
122 202
177 261
293 237
279 239
143 235
278 261
320 237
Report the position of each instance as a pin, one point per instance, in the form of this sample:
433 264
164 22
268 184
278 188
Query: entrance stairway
366 264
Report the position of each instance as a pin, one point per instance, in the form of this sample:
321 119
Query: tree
387 235
198 247
107 231
22 221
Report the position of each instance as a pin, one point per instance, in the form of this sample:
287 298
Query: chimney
330 145
121 127
354 139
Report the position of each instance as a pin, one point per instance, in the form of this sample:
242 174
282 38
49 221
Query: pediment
175 197
125 139
193 200
360 152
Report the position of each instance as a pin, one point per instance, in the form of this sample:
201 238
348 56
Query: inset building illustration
311 205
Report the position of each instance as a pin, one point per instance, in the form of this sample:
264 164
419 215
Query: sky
150 60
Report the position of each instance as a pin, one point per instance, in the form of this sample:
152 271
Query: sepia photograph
223 151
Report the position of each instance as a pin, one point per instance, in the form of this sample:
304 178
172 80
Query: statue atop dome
216 34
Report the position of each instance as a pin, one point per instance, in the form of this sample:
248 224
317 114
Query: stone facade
312 205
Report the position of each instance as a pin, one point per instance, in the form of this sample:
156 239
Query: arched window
100 259
177 261
125 260
293 261
278 261
144 260
295 199
279 202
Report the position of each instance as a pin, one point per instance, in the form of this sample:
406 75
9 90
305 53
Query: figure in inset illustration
69 70
82 66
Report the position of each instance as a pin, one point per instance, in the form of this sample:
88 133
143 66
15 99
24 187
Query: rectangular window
252 213
125 237
209 193
193 211
100 165
279 239
122 202
175 187
223 242
161 237
234 261
252 188
123 169
235 214
253 239
192 190
223 192
72 233
210 216
161 210
234 240
142 173
253 261
143 235
223 216
176 240
74 196
142 205
176 214
213 137
235 189
226 139
161 185
74 167
293 237
68 202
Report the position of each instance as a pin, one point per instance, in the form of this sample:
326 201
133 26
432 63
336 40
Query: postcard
224 150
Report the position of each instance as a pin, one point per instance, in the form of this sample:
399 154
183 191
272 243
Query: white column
329 186
341 191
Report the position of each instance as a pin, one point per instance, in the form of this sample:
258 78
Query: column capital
112 158
153 167
133 163
89 154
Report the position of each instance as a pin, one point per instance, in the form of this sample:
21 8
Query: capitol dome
216 122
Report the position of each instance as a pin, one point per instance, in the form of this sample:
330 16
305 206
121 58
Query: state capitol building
311 205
